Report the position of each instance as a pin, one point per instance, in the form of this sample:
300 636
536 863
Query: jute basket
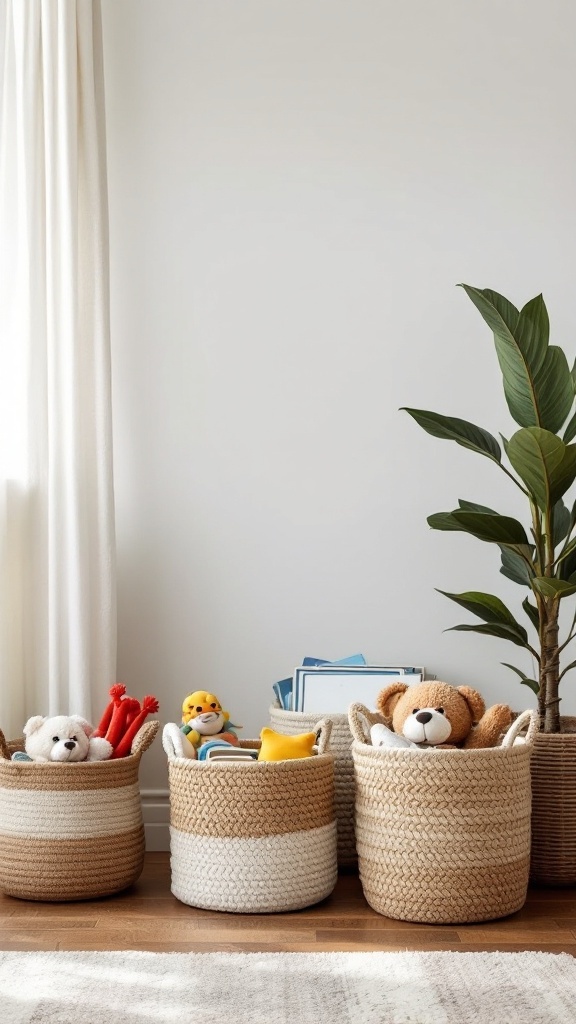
253 838
554 806
443 836
293 722
71 831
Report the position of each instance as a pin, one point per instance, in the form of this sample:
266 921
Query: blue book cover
283 688
283 691
352 659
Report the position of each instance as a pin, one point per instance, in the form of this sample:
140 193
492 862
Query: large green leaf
532 614
532 332
494 529
567 567
545 464
561 522
486 606
554 388
499 629
537 380
450 428
568 550
514 567
534 686
570 432
552 587
471 506
506 309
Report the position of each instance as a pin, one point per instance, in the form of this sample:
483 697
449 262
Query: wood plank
516 935
148 916
35 945
176 931
393 936
32 925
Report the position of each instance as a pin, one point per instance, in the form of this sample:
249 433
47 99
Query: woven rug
287 988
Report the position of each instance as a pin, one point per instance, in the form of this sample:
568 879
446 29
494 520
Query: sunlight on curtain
57 558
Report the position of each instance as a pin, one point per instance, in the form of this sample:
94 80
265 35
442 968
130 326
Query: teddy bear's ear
33 724
474 702
88 729
388 698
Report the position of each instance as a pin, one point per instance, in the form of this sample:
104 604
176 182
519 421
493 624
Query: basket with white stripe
258 837
71 831
292 722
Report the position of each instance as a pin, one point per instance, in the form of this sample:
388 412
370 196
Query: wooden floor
147 916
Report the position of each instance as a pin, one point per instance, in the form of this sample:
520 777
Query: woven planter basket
554 806
443 836
293 722
71 831
253 838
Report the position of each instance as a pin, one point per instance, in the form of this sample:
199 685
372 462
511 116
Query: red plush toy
122 719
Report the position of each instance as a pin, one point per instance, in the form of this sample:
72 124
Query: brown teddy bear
437 714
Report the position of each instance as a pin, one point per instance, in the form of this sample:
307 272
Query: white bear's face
62 738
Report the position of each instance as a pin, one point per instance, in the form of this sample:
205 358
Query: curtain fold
57 545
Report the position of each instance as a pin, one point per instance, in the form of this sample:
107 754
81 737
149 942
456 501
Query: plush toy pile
71 738
204 724
435 714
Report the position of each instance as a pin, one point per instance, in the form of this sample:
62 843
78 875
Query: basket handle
144 737
358 716
525 718
323 733
4 752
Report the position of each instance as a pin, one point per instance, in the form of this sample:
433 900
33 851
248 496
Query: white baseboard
156 814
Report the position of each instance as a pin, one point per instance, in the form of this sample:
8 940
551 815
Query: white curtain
57 550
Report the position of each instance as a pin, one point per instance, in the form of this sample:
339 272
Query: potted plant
541 558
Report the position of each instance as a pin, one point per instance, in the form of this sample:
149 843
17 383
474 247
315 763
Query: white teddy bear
64 738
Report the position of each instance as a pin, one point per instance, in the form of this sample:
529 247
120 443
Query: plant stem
537 534
571 635
548 699
513 478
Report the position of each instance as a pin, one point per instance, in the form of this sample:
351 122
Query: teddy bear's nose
423 717
69 745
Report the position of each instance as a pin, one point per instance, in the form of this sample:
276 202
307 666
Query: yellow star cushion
277 747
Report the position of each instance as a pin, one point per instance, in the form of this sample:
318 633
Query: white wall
295 188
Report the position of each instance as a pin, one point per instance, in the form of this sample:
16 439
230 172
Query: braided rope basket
293 722
443 836
71 831
554 806
253 838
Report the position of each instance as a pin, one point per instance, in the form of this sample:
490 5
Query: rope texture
443 836
71 831
554 806
256 837
293 722
266 875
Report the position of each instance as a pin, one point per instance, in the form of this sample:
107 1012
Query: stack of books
323 687
219 750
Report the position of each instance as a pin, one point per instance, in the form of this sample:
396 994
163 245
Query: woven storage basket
554 806
293 722
71 831
443 836
253 838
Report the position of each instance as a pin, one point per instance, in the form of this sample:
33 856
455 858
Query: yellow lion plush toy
203 719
